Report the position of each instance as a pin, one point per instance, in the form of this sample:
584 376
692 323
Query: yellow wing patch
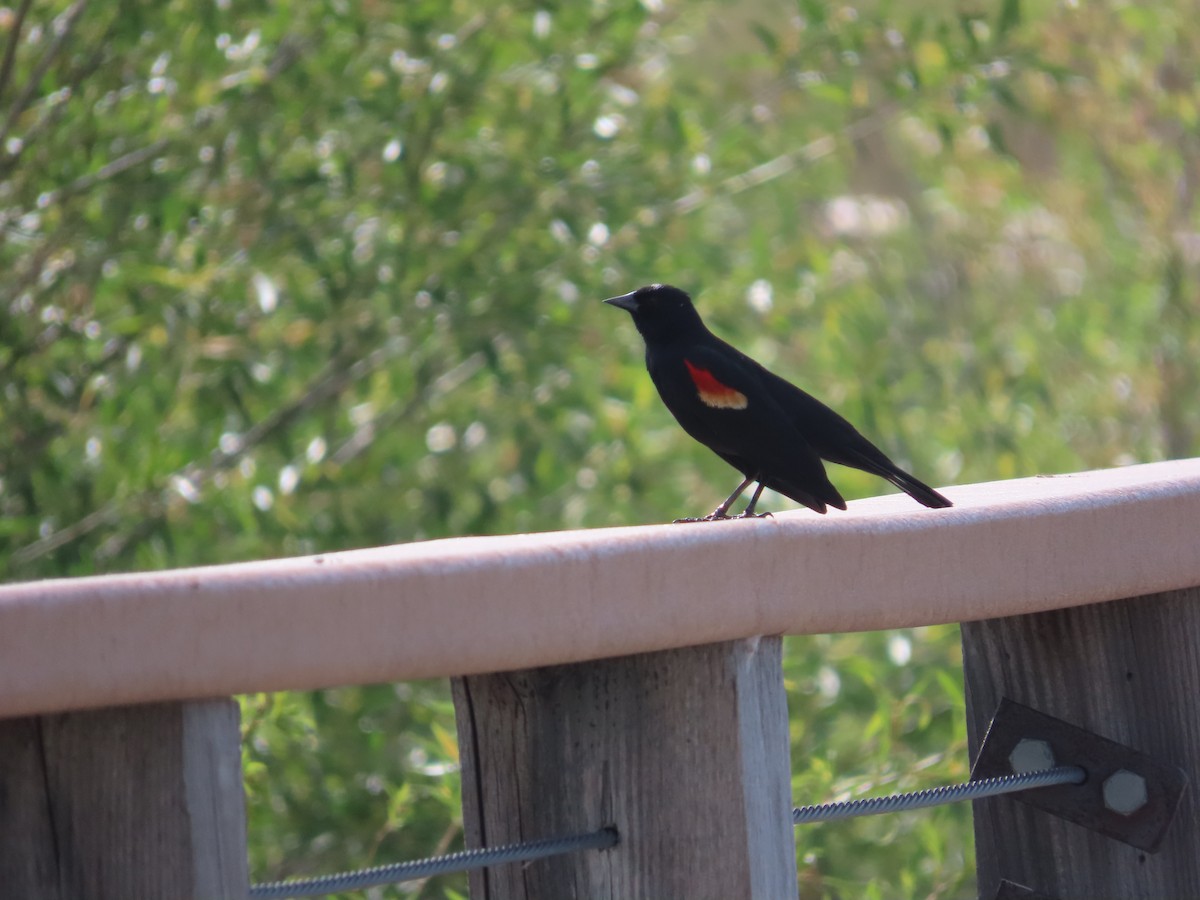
712 392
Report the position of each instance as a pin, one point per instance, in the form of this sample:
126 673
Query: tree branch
55 111
330 383
444 384
784 163
21 103
104 173
10 51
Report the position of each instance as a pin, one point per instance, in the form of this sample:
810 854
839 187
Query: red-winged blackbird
766 428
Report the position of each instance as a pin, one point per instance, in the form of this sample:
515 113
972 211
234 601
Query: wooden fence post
129 803
1128 670
685 752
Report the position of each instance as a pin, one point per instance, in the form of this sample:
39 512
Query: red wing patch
712 392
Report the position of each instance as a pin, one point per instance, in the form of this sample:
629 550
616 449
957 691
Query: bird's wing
831 435
719 397
835 439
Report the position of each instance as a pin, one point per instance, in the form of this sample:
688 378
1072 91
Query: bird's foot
717 516
721 516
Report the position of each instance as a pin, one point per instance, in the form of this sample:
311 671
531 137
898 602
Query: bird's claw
721 516
711 517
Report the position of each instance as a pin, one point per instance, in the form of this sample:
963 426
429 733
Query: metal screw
1031 755
1125 792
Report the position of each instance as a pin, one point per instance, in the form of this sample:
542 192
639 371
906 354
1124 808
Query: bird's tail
871 459
918 490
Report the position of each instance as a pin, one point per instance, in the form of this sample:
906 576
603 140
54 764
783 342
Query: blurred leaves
290 278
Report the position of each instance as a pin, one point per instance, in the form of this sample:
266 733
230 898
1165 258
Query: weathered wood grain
684 751
1128 670
133 803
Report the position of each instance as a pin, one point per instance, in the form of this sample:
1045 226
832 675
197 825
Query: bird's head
660 311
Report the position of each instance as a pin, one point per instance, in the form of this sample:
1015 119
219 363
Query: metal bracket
1128 796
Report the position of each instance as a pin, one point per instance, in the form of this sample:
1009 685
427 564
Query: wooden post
1128 670
130 803
685 752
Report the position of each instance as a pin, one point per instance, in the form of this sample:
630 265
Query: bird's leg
748 512
722 511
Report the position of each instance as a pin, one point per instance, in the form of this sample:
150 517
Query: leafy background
285 278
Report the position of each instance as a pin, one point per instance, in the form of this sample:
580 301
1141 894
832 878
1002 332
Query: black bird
766 428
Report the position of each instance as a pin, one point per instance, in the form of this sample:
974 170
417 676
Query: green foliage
289 278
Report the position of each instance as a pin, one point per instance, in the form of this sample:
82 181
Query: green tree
289 278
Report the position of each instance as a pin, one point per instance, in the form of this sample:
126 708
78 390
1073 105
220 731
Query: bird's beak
625 301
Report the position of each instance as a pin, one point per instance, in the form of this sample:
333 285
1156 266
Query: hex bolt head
1031 755
1125 792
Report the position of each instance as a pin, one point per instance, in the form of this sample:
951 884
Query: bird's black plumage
765 427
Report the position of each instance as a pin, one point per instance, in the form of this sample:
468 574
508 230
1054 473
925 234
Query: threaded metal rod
463 861
971 790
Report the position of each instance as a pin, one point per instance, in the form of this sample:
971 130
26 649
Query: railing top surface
481 604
